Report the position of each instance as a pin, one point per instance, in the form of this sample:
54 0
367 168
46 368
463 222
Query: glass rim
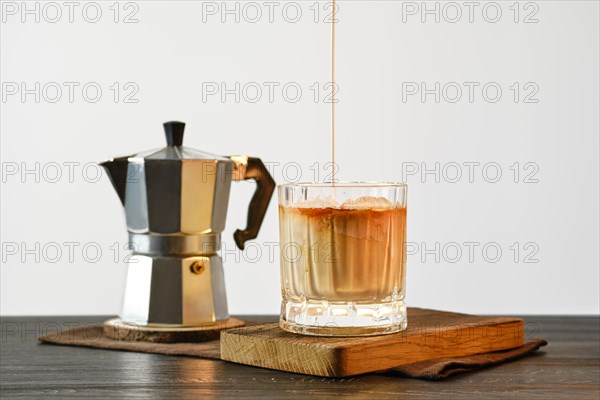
344 184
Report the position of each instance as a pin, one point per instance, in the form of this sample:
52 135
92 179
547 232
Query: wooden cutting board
430 334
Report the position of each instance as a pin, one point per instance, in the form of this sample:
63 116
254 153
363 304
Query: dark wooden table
568 368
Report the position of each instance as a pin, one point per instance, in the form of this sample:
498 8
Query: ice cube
367 202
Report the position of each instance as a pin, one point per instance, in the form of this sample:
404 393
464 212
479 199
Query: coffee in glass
343 258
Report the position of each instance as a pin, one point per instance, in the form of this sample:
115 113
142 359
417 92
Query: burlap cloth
92 336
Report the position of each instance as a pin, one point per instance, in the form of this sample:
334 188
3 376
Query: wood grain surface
430 335
568 368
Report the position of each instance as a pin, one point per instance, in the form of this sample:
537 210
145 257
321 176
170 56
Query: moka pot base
117 329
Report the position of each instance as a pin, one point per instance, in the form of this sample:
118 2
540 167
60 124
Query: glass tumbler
343 258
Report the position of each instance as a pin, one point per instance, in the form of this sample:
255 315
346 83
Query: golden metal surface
197 292
197 195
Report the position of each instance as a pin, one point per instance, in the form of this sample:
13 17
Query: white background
171 51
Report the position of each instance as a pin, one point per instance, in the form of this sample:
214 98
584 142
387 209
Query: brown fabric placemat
92 336
444 367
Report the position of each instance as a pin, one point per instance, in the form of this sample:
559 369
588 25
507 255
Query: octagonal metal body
175 200
181 291
174 191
